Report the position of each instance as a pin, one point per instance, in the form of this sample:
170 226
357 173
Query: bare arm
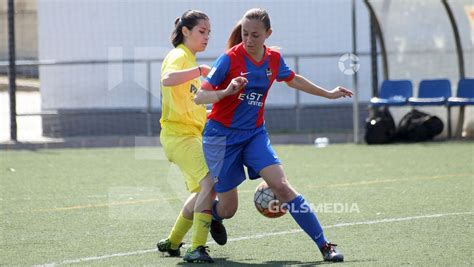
301 83
181 76
210 97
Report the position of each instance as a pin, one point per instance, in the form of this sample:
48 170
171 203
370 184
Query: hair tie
177 21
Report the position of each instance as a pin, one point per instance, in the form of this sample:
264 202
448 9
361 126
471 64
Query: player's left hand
205 69
339 92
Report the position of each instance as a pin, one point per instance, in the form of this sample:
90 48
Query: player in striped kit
235 135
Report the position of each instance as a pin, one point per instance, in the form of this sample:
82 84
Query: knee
227 211
188 213
227 214
283 190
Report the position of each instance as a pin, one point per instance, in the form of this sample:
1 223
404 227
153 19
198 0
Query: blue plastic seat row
430 93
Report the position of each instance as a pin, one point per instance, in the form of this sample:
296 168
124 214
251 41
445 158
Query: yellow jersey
180 115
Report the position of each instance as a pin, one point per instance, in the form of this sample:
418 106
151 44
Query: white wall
25 30
103 30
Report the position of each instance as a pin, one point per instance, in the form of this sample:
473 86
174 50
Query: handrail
379 33
457 39
25 63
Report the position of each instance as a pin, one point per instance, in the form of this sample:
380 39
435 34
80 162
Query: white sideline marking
389 220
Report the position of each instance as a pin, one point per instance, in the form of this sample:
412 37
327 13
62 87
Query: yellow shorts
186 152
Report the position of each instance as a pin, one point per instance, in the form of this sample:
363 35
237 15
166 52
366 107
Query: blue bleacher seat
464 95
432 93
393 93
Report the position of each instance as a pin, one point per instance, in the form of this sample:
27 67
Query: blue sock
306 219
215 215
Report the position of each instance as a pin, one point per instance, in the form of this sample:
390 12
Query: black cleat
199 255
218 232
164 245
331 254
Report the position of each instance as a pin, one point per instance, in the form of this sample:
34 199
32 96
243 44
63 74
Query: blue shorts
228 150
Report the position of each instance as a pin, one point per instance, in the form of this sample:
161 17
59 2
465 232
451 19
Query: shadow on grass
226 262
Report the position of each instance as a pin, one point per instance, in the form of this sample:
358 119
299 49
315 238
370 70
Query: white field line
263 235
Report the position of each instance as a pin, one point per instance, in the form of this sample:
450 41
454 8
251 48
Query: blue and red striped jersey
244 110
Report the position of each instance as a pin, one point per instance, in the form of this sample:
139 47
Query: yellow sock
180 228
201 225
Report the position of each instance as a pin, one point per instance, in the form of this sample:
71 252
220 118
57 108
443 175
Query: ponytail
236 35
177 36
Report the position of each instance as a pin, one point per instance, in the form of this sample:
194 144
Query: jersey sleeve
285 74
217 74
176 61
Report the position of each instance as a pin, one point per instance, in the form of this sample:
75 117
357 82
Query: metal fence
379 33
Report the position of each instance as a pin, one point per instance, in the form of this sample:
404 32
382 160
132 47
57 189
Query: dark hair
189 19
254 13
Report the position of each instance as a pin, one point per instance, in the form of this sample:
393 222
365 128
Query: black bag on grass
380 127
417 126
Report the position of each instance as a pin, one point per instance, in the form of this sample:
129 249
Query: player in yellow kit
182 123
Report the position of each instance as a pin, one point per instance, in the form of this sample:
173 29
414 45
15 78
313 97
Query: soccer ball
266 202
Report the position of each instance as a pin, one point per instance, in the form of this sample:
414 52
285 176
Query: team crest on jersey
193 89
269 73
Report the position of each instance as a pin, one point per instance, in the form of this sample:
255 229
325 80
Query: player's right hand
236 85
